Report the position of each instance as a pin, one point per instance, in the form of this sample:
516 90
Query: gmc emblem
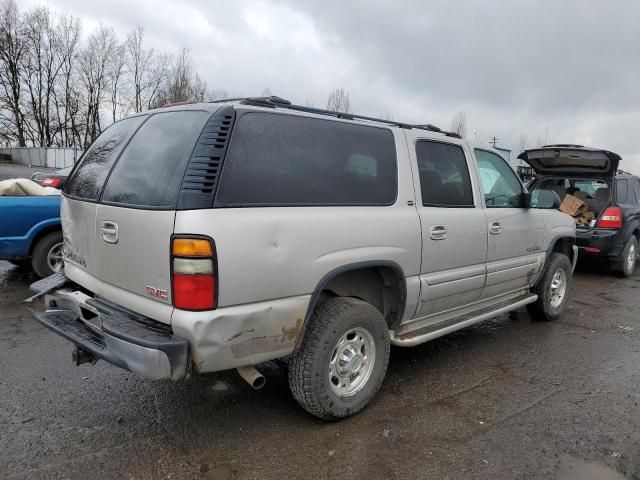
156 292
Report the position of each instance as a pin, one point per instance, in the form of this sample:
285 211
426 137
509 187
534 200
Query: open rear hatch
572 161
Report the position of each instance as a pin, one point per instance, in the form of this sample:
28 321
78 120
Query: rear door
82 194
135 218
454 229
515 233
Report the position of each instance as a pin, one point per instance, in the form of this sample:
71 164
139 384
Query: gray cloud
514 67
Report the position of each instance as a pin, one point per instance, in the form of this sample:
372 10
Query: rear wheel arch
381 283
43 233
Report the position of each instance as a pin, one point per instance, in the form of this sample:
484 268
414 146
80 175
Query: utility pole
494 141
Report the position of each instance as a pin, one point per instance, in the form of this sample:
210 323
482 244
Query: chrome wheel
352 362
631 258
54 257
558 288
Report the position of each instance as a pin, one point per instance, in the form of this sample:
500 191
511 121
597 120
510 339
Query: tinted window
444 175
622 191
636 190
89 177
289 160
500 184
150 169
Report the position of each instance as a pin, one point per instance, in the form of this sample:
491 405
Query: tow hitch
81 356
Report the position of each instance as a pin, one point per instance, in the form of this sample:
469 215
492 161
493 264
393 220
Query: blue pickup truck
31 233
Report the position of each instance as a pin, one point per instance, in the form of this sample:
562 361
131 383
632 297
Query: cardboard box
571 205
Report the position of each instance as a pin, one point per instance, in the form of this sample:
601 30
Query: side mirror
546 199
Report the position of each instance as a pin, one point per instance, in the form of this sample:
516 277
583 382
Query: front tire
47 255
552 289
626 263
342 359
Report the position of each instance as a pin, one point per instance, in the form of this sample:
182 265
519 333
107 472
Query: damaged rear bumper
117 335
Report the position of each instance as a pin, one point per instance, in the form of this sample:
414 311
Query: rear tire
552 289
342 359
47 255
625 264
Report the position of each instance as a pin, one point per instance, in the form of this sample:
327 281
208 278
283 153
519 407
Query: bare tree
184 84
459 124
116 69
309 103
157 79
147 70
338 101
95 60
266 92
12 49
57 90
66 89
216 94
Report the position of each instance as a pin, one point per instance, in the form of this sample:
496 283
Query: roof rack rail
278 102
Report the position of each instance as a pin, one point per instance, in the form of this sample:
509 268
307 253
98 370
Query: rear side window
636 190
622 191
88 179
444 175
150 170
277 159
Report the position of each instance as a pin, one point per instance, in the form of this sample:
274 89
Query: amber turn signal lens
191 247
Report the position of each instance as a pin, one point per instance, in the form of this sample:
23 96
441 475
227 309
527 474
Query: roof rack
277 102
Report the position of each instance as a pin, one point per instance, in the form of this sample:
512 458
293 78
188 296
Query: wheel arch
380 282
561 244
41 233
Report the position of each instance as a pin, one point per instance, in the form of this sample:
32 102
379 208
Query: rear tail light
610 218
193 268
51 182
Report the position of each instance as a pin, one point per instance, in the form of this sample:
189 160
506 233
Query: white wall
43 157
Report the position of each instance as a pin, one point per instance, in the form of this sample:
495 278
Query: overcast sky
567 67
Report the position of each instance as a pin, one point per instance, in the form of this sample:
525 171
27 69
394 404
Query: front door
454 228
515 234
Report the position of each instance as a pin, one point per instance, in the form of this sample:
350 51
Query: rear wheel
47 255
342 360
626 262
552 289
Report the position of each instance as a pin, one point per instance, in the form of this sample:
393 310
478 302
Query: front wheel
342 359
552 289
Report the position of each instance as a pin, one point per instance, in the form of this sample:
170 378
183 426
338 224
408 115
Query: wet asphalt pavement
509 398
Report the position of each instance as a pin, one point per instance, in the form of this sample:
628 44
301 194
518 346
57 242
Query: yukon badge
157 292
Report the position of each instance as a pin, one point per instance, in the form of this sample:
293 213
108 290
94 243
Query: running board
436 330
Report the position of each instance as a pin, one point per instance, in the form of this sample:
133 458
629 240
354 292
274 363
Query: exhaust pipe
252 376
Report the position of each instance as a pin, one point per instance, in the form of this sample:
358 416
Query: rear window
622 191
88 179
150 170
277 159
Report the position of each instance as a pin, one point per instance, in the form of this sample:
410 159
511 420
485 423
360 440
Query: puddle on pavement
572 468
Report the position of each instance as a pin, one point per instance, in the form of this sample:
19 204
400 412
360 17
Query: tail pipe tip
252 376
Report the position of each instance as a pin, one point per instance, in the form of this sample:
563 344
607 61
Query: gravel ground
509 398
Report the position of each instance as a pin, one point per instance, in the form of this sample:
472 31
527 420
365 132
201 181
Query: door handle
495 228
437 232
109 231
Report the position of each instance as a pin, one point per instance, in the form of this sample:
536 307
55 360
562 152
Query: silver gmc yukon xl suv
215 236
